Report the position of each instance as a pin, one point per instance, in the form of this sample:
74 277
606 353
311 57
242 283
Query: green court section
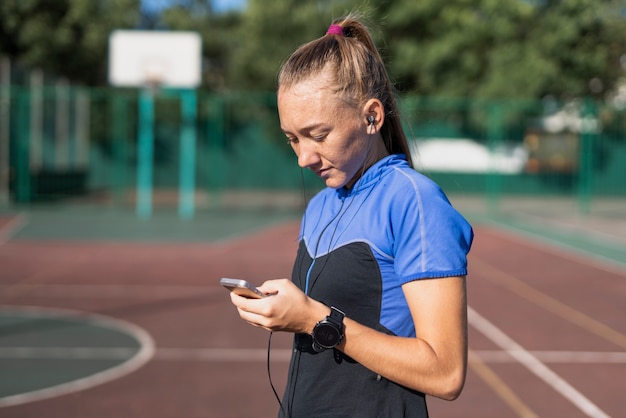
46 353
76 223
589 241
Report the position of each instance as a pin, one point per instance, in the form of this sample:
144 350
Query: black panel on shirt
330 384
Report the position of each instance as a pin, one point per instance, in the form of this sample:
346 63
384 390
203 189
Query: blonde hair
360 74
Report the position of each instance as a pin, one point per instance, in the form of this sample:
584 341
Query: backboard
155 58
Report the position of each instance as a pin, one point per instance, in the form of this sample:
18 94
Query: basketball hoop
152 87
151 60
154 59
154 69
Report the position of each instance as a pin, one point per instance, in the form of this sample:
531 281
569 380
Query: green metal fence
84 145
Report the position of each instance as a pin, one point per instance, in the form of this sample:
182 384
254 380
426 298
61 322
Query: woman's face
329 136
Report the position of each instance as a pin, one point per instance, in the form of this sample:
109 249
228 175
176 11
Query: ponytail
360 74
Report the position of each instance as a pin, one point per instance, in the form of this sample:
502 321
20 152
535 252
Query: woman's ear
374 115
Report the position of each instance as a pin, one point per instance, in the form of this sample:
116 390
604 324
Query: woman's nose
307 155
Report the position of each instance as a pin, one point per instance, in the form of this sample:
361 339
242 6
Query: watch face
326 335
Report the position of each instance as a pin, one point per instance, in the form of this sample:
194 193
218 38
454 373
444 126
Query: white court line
141 357
533 364
12 227
66 353
222 354
277 354
166 354
569 357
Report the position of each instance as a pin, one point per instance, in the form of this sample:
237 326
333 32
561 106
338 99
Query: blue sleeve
432 239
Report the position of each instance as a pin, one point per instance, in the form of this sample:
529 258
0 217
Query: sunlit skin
330 138
335 141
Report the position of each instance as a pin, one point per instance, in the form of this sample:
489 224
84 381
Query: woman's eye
319 138
292 141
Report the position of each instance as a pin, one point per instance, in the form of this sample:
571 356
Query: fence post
145 154
119 127
5 129
215 131
36 120
588 134
82 129
62 125
22 162
187 185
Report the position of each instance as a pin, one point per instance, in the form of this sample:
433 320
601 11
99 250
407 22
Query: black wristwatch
329 331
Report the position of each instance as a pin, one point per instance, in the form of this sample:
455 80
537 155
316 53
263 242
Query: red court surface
547 329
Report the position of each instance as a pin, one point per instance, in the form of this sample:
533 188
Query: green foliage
216 31
466 48
67 38
270 31
504 48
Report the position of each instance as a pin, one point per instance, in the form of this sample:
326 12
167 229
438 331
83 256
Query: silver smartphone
242 288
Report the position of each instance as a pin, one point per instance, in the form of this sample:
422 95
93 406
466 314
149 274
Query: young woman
377 299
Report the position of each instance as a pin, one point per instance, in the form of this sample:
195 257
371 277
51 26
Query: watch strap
336 316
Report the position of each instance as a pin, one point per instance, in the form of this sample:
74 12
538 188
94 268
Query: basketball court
111 321
112 313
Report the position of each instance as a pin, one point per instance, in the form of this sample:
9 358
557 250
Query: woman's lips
322 173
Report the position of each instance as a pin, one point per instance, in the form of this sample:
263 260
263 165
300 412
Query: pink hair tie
334 30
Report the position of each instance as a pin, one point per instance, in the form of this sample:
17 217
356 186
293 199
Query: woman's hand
286 308
434 362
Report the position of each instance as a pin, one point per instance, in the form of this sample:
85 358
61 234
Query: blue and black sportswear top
357 248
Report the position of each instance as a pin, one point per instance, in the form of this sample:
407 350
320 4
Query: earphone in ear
371 119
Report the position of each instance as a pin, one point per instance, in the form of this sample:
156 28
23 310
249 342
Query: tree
469 48
216 30
65 37
270 31
584 39
503 48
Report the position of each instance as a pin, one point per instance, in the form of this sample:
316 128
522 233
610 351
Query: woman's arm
433 363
